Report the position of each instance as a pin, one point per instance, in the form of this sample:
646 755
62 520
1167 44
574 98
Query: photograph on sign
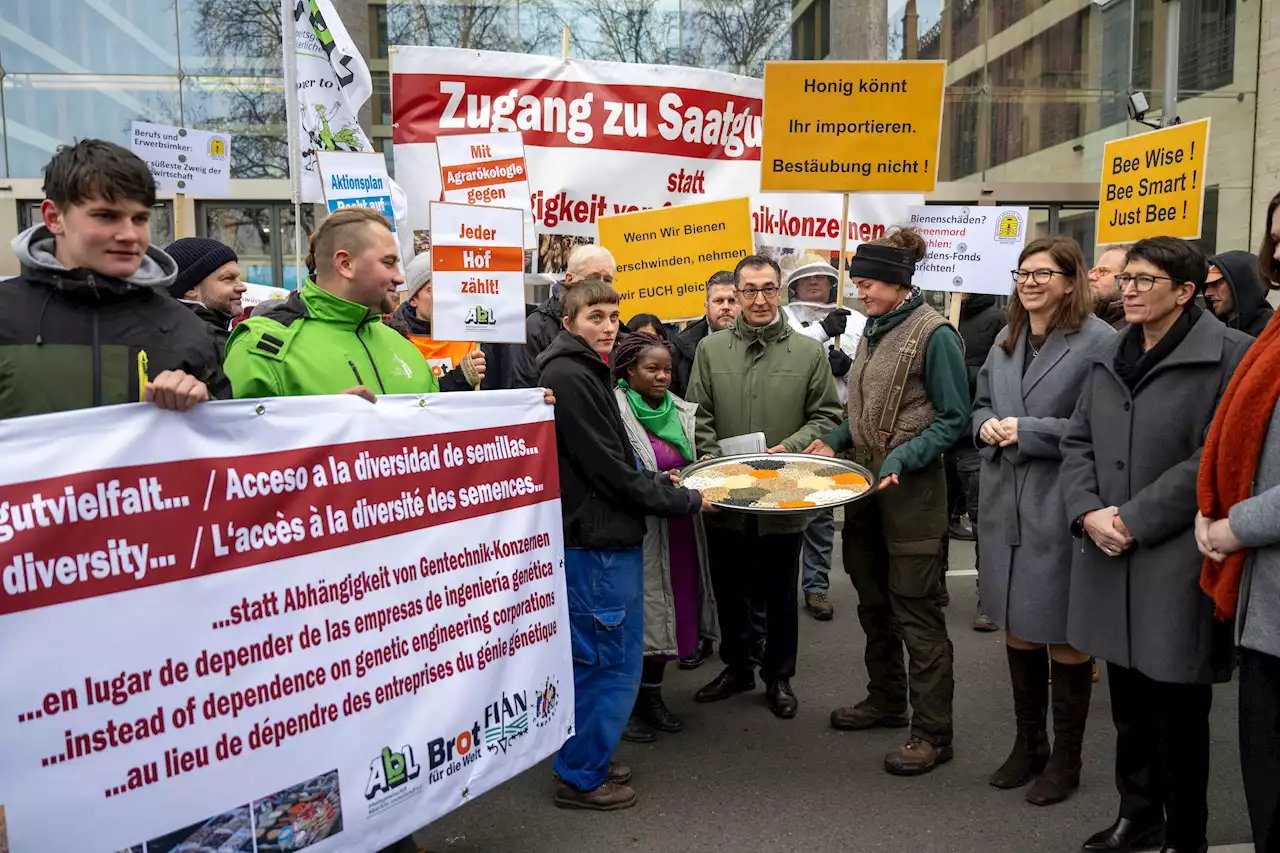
1153 184
665 256
834 126
971 249
487 169
356 180
477 273
182 160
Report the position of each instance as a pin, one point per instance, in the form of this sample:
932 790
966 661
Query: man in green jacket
328 338
757 376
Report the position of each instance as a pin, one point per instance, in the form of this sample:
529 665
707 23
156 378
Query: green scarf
664 421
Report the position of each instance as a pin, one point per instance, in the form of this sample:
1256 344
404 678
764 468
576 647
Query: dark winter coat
219 323
1252 312
686 348
73 339
1109 308
1024 549
540 328
1140 451
980 322
604 495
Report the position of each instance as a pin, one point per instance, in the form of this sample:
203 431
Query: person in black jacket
980 324
1234 292
90 321
722 310
208 283
543 324
604 500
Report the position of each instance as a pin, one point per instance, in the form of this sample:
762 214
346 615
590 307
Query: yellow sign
1153 184
851 126
665 256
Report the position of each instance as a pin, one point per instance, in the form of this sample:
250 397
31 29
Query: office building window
161 220
1208 39
262 235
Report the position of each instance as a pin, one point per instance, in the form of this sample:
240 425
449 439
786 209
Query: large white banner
300 623
603 138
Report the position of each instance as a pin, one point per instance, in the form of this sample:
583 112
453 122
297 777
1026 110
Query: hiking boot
916 757
698 658
782 701
619 773
607 798
652 710
638 731
1028 675
960 529
818 606
726 684
982 622
865 716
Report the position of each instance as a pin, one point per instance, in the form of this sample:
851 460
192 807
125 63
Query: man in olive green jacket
757 376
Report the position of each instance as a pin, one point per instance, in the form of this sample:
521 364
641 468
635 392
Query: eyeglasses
1039 276
1143 283
1099 272
750 293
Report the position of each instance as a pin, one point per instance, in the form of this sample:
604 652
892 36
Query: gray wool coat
659 600
1140 452
1025 548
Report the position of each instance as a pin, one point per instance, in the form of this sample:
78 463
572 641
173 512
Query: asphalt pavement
739 779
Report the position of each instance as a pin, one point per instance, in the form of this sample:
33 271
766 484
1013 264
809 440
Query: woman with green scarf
679 609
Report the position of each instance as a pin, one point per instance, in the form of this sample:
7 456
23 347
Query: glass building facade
1035 87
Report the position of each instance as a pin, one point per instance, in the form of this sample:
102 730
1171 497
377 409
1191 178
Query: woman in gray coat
1026 392
1129 463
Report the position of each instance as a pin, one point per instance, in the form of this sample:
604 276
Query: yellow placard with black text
851 126
1153 184
665 256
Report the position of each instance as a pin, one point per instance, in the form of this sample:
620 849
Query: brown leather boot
619 773
865 716
916 757
607 798
1072 690
1029 673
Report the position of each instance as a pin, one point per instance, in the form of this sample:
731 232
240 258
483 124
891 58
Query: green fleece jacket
762 379
317 343
945 381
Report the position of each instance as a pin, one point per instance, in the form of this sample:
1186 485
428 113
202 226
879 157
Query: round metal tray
851 467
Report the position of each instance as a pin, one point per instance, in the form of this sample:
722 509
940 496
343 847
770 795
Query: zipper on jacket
97 363
376 374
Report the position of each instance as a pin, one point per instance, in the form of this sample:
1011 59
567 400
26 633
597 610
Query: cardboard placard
477 273
971 249
194 162
1153 184
665 256
487 169
851 126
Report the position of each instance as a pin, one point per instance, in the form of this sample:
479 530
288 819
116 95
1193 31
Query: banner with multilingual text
303 623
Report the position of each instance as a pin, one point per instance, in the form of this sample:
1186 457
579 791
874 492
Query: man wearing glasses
1108 304
759 376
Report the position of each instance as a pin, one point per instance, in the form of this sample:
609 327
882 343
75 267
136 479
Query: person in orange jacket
454 363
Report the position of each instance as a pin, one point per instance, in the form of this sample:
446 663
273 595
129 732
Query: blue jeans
815 555
606 625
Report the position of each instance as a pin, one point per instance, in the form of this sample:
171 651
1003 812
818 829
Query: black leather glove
840 362
836 322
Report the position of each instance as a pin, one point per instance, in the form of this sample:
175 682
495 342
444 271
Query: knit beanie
197 259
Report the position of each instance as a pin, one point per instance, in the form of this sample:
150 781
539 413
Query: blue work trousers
606 622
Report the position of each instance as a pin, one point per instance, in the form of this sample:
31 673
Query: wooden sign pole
957 304
844 242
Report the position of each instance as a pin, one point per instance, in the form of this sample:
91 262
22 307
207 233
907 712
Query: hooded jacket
315 342
74 338
604 495
1252 312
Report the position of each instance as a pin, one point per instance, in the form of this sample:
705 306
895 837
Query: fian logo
446 756
402 367
1009 228
545 707
390 770
217 148
481 316
505 721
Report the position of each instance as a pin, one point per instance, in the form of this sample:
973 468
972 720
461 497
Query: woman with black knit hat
908 403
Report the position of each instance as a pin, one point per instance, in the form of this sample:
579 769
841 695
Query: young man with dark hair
1234 292
759 376
90 322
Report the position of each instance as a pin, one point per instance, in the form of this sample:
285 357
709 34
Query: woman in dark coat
1025 395
1129 462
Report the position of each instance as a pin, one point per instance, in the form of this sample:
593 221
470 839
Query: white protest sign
477 273
258 293
487 169
356 180
305 620
971 249
195 162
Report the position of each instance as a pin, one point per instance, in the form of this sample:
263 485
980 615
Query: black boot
1029 672
1072 689
651 709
